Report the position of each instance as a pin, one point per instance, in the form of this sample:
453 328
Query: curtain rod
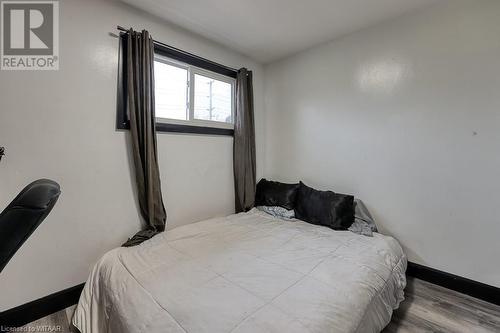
181 51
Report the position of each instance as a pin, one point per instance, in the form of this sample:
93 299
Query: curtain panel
244 143
140 100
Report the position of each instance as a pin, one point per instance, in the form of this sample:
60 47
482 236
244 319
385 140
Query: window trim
122 122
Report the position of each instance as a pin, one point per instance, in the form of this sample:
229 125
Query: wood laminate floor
431 308
427 308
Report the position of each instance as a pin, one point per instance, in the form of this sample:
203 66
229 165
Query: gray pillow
364 224
278 212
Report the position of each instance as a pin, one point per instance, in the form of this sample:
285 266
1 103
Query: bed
248 272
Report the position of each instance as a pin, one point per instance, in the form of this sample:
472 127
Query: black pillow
271 193
326 208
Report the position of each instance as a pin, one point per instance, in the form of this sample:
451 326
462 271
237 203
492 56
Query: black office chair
24 215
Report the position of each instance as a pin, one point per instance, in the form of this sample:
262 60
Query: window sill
177 128
188 129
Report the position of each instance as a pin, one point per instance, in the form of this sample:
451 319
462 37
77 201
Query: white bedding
248 272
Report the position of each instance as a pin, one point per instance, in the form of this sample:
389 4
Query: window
188 95
192 94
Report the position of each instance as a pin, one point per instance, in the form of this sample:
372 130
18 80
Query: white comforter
248 272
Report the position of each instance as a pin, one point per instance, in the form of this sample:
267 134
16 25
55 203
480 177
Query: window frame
191 88
173 54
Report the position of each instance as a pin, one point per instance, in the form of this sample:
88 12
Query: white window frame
190 86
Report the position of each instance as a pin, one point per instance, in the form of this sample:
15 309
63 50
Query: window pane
212 99
170 91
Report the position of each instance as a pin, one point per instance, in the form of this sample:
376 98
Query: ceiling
268 30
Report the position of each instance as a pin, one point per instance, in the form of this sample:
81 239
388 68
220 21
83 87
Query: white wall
405 115
61 125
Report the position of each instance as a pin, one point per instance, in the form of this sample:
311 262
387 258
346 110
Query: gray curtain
244 143
141 112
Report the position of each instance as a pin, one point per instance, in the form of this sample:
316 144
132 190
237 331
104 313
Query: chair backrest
24 215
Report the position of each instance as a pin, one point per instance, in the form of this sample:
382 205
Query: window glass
212 99
171 91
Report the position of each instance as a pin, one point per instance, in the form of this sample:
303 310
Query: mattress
248 272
